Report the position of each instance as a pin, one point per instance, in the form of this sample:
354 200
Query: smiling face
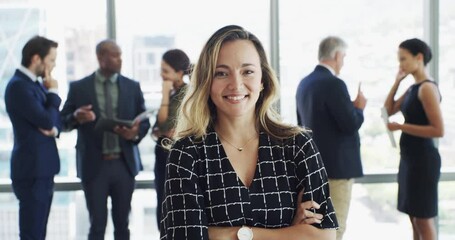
237 81
169 74
408 62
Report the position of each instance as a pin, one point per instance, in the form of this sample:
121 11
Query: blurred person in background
33 108
175 64
107 161
420 162
325 107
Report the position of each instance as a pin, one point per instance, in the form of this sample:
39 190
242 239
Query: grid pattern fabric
202 189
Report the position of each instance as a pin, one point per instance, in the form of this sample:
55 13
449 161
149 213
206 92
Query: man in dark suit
324 106
34 112
107 161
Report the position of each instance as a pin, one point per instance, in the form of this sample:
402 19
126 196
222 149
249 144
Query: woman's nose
236 81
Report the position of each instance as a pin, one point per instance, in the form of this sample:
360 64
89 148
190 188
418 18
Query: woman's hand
304 213
393 126
223 233
400 76
167 86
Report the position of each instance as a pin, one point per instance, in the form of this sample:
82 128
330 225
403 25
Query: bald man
107 160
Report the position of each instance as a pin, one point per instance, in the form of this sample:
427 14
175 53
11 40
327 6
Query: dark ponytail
416 46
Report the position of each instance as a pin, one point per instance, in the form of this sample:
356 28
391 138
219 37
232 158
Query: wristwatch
245 233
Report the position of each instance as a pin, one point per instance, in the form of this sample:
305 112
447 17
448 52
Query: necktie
110 142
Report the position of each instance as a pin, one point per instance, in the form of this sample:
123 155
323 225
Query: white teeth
235 98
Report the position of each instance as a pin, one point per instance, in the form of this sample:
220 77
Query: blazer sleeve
348 118
55 100
32 108
183 204
313 178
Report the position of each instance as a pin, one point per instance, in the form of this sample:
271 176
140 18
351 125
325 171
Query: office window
447 80
76 34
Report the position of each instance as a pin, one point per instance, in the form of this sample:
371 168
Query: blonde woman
235 171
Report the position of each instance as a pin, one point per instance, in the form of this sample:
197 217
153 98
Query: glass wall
68 219
373 212
447 80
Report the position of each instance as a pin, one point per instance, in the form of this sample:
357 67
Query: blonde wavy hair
198 113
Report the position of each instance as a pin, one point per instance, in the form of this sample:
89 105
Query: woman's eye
220 74
248 72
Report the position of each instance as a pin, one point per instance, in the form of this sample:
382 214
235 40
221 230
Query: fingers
86 107
310 214
305 212
310 205
136 123
48 133
310 221
300 196
401 75
84 114
167 85
126 132
47 73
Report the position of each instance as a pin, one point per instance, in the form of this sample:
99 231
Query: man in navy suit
33 109
107 161
324 106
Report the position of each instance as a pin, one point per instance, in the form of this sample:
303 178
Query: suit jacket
324 106
89 141
31 107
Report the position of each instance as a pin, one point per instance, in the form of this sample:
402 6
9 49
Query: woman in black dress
235 171
420 162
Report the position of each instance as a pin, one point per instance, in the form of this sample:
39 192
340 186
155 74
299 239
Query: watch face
245 233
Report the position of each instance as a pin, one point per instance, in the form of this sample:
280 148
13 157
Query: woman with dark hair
420 162
235 170
175 65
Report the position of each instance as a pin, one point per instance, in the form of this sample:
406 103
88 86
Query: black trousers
161 155
35 198
114 180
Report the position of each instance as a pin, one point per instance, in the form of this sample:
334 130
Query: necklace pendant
239 149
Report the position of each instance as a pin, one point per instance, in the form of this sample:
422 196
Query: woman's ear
419 56
181 73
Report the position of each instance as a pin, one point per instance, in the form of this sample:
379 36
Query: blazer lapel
41 89
92 95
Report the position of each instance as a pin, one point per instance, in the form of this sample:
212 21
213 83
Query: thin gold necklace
238 148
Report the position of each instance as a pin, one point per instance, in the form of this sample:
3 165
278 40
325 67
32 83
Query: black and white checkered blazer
202 188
